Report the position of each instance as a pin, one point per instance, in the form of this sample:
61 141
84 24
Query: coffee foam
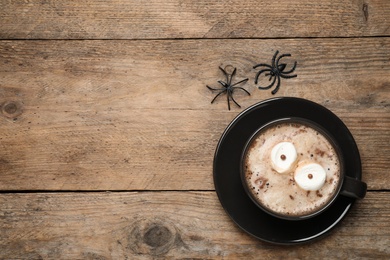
280 192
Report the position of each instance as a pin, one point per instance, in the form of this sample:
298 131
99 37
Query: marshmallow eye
283 157
310 176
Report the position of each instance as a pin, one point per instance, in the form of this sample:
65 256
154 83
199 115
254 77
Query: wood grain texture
111 95
168 225
136 115
156 19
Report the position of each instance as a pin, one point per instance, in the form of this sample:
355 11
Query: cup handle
353 188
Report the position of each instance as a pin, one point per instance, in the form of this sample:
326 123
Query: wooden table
107 134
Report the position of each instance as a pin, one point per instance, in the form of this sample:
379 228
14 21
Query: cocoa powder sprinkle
261 182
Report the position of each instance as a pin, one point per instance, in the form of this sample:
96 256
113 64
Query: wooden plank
135 115
120 19
170 225
145 72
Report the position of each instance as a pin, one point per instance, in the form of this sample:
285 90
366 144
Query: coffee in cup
292 168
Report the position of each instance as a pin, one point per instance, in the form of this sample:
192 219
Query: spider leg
223 91
228 94
244 80
242 89
224 84
270 75
284 65
291 70
262 65
273 59
235 102
260 72
270 85
214 88
277 86
225 73
231 76
281 56
288 76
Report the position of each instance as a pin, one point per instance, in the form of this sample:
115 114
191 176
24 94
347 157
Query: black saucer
227 179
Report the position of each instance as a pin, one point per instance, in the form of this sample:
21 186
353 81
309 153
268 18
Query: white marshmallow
283 157
310 176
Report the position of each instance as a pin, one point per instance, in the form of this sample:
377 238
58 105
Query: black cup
347 186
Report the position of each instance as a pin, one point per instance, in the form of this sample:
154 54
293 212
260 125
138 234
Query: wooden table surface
107 133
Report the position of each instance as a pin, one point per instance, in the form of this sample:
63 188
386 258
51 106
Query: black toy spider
275 71
228 87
